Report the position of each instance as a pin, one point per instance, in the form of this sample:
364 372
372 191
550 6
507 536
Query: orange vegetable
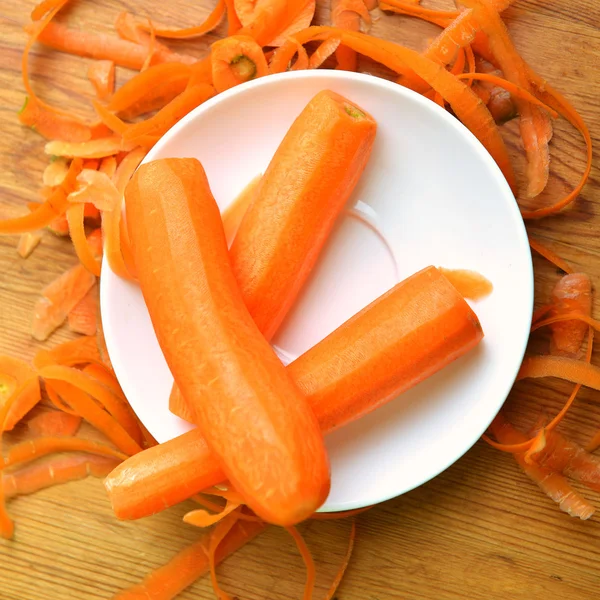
234 213
28 243
299 197
553 484
54 424
180 295
103 47
235 60
56 471
348 14
572 293
75 217
19 390
209 24
80 351
52 125
189 564
58 299
82 319
351 372
535 125
463 101
98 148
102 76
152 89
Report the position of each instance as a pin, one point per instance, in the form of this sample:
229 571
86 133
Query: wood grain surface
481 530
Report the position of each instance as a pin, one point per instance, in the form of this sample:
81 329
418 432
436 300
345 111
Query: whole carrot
304 188
407 334
253 416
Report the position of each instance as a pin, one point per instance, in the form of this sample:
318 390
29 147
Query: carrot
535 125
463 101
116 406
553 484
252 13
569 369
550 255
572 293
96 188
565 456
54 424
176 191
235 60
59 226
308 561
116 240
190 564
349 373
209 24
340 574
98 148
54 206
58 300
149 90
348 14
80 351
56 471
75 217
108 166
51 125
299 197
56 172
322 53
82 319
441 18
28 243
30 450
234 213
100 46
565 109
102 76
19 390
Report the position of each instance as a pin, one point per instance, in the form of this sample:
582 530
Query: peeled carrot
54 424
180 295
463 101
56 471
58 300
361 365
299 197
235 60
572 293
82 319
553 484
102 76
19 390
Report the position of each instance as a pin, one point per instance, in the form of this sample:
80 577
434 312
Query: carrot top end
243 67
353 111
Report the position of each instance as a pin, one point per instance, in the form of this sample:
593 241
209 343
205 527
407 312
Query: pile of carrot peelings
471 68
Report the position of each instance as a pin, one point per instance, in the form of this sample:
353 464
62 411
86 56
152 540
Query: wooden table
481 530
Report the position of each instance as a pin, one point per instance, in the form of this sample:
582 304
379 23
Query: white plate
439 198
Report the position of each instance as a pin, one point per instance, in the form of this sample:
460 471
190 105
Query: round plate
439 199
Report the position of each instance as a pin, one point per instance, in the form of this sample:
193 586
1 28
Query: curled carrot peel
464 102
102 76
85 406
338 377
348 14
553 484
190 564
563 107
568 369
56 471
308 562
342 571
31 450
77 233
83 318
80 351
98 148
19 390
115 406
54 423
235 60
550 255
221 529
103 47
201 518
514 89
209 24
